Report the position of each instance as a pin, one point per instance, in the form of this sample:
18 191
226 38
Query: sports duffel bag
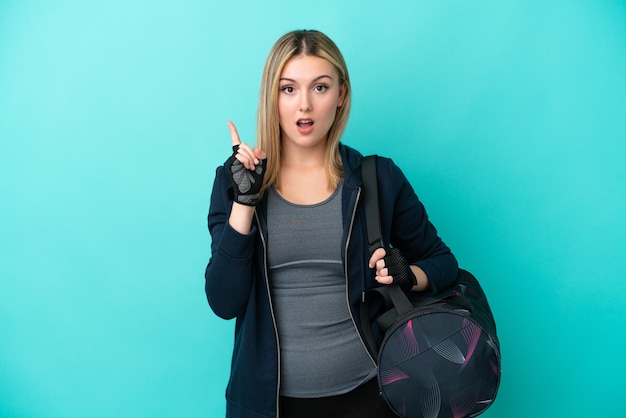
440 356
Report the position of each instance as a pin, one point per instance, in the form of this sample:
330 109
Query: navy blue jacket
237 284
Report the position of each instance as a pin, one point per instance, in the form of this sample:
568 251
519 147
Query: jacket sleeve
412 232
229 273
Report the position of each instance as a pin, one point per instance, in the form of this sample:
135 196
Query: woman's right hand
245 168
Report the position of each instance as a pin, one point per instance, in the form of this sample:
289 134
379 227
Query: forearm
240 218
423 283
440 269
230 273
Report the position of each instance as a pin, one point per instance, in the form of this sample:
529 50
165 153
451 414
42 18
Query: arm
406 226
230 272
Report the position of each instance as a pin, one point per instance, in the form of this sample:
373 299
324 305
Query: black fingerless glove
399 269
246 183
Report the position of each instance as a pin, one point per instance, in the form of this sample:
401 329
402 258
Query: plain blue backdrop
509 118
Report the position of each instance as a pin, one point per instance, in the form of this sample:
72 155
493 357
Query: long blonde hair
299 42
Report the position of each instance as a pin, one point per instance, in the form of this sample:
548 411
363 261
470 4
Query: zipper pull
363 297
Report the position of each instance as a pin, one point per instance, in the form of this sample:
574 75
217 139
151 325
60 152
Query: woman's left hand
393 268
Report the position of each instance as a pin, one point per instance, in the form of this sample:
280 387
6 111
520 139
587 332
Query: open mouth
304 123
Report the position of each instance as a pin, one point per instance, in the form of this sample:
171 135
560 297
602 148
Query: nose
305 103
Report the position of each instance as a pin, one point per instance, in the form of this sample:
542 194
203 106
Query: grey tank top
321 352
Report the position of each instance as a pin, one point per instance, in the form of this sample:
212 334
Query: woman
290 257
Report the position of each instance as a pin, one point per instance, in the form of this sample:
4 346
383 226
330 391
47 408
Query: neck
303 158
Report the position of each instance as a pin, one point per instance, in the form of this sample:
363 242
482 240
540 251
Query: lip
307 127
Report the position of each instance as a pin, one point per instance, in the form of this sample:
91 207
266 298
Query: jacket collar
351 160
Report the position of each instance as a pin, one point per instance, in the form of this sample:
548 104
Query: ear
342 94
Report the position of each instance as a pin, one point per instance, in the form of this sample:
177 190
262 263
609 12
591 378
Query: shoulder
352 159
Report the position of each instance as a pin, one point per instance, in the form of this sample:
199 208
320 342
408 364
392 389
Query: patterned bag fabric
440 356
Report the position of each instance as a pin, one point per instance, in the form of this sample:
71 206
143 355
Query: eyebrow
314 80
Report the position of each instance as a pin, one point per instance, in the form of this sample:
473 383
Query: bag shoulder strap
395 301
370 200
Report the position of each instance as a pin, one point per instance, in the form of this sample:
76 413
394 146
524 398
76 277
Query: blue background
509 117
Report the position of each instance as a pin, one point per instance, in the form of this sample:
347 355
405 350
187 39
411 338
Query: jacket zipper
269 298
358 196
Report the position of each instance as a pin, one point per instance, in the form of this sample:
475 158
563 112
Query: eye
321 88
287 89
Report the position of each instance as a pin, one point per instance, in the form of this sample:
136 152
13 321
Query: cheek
287 105
330 110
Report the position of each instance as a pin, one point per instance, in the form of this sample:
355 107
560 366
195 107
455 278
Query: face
310 93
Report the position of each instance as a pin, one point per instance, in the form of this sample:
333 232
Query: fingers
382 273
377 261
246 155
234 135
260 154
384 279
379 254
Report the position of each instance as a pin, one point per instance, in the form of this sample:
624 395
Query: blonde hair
299 42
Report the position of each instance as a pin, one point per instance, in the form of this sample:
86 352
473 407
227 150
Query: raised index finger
234 135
